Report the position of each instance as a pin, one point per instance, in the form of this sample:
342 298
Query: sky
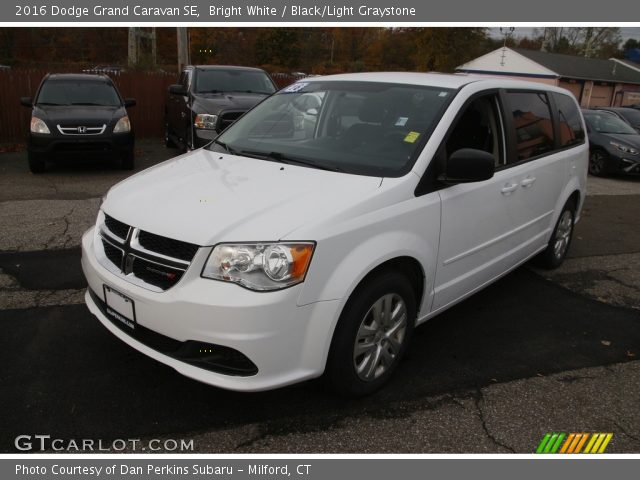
627 32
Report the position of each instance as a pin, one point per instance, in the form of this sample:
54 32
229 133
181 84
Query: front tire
372 335
36 162
556 251
597 162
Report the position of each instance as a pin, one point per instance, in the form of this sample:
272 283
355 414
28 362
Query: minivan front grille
119 229
167 246
161 276
149 258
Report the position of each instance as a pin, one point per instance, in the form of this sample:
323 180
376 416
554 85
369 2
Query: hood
214 103
625 139
73 115
206 198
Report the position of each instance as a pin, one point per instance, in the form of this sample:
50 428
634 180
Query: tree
442 49
592 42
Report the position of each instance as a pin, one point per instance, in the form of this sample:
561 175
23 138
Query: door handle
527 182
509 188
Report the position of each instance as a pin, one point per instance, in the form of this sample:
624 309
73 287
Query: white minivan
317 231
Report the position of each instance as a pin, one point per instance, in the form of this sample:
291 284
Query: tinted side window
571 132
532 122
479 127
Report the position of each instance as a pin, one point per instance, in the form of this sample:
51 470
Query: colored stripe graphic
556 446
559 442
581 443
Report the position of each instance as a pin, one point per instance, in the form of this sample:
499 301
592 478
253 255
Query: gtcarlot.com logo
574 443
42 443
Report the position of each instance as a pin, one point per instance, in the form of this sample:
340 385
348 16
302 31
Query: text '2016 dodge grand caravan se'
317 231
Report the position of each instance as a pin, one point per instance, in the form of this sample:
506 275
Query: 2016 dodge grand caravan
316 232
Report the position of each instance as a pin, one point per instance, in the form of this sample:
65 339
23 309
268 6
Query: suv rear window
78 92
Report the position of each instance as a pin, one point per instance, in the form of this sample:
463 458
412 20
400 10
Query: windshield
357 127
607 123
219 81
78 92
633 116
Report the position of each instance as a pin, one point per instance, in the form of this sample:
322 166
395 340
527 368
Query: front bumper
619 163
287 343
105 144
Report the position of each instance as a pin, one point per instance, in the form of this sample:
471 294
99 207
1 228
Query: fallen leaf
606 343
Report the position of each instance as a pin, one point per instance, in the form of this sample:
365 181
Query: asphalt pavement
536 352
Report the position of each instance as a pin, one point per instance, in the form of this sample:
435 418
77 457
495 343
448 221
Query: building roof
534 63
572 66
628 63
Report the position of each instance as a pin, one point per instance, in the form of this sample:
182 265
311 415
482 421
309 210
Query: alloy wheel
380 337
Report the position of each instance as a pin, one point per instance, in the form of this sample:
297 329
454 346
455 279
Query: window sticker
401 121
411 137
296 87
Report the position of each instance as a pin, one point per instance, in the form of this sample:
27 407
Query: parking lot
536 352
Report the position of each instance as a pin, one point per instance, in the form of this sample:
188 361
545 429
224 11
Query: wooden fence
148 88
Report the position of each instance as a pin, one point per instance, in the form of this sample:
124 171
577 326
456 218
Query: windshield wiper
225 146
209 91
282 158
52 104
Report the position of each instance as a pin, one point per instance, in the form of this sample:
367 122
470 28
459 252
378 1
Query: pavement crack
253 440
625 432
478 400
67 224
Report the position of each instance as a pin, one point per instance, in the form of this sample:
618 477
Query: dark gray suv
78 114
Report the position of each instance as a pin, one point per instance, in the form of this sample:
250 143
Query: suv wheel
36 162
558 246
597 162
372 335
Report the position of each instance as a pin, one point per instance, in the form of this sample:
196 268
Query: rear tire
36 163
556 251
372 335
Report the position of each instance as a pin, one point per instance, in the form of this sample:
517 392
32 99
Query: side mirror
129 102
26 101
177 89
469 165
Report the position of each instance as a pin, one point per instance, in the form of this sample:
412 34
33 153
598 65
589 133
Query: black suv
78 114
209 98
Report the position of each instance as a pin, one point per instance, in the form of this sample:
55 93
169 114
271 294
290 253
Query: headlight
260 266
206 121
625 148
123 125
38 126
